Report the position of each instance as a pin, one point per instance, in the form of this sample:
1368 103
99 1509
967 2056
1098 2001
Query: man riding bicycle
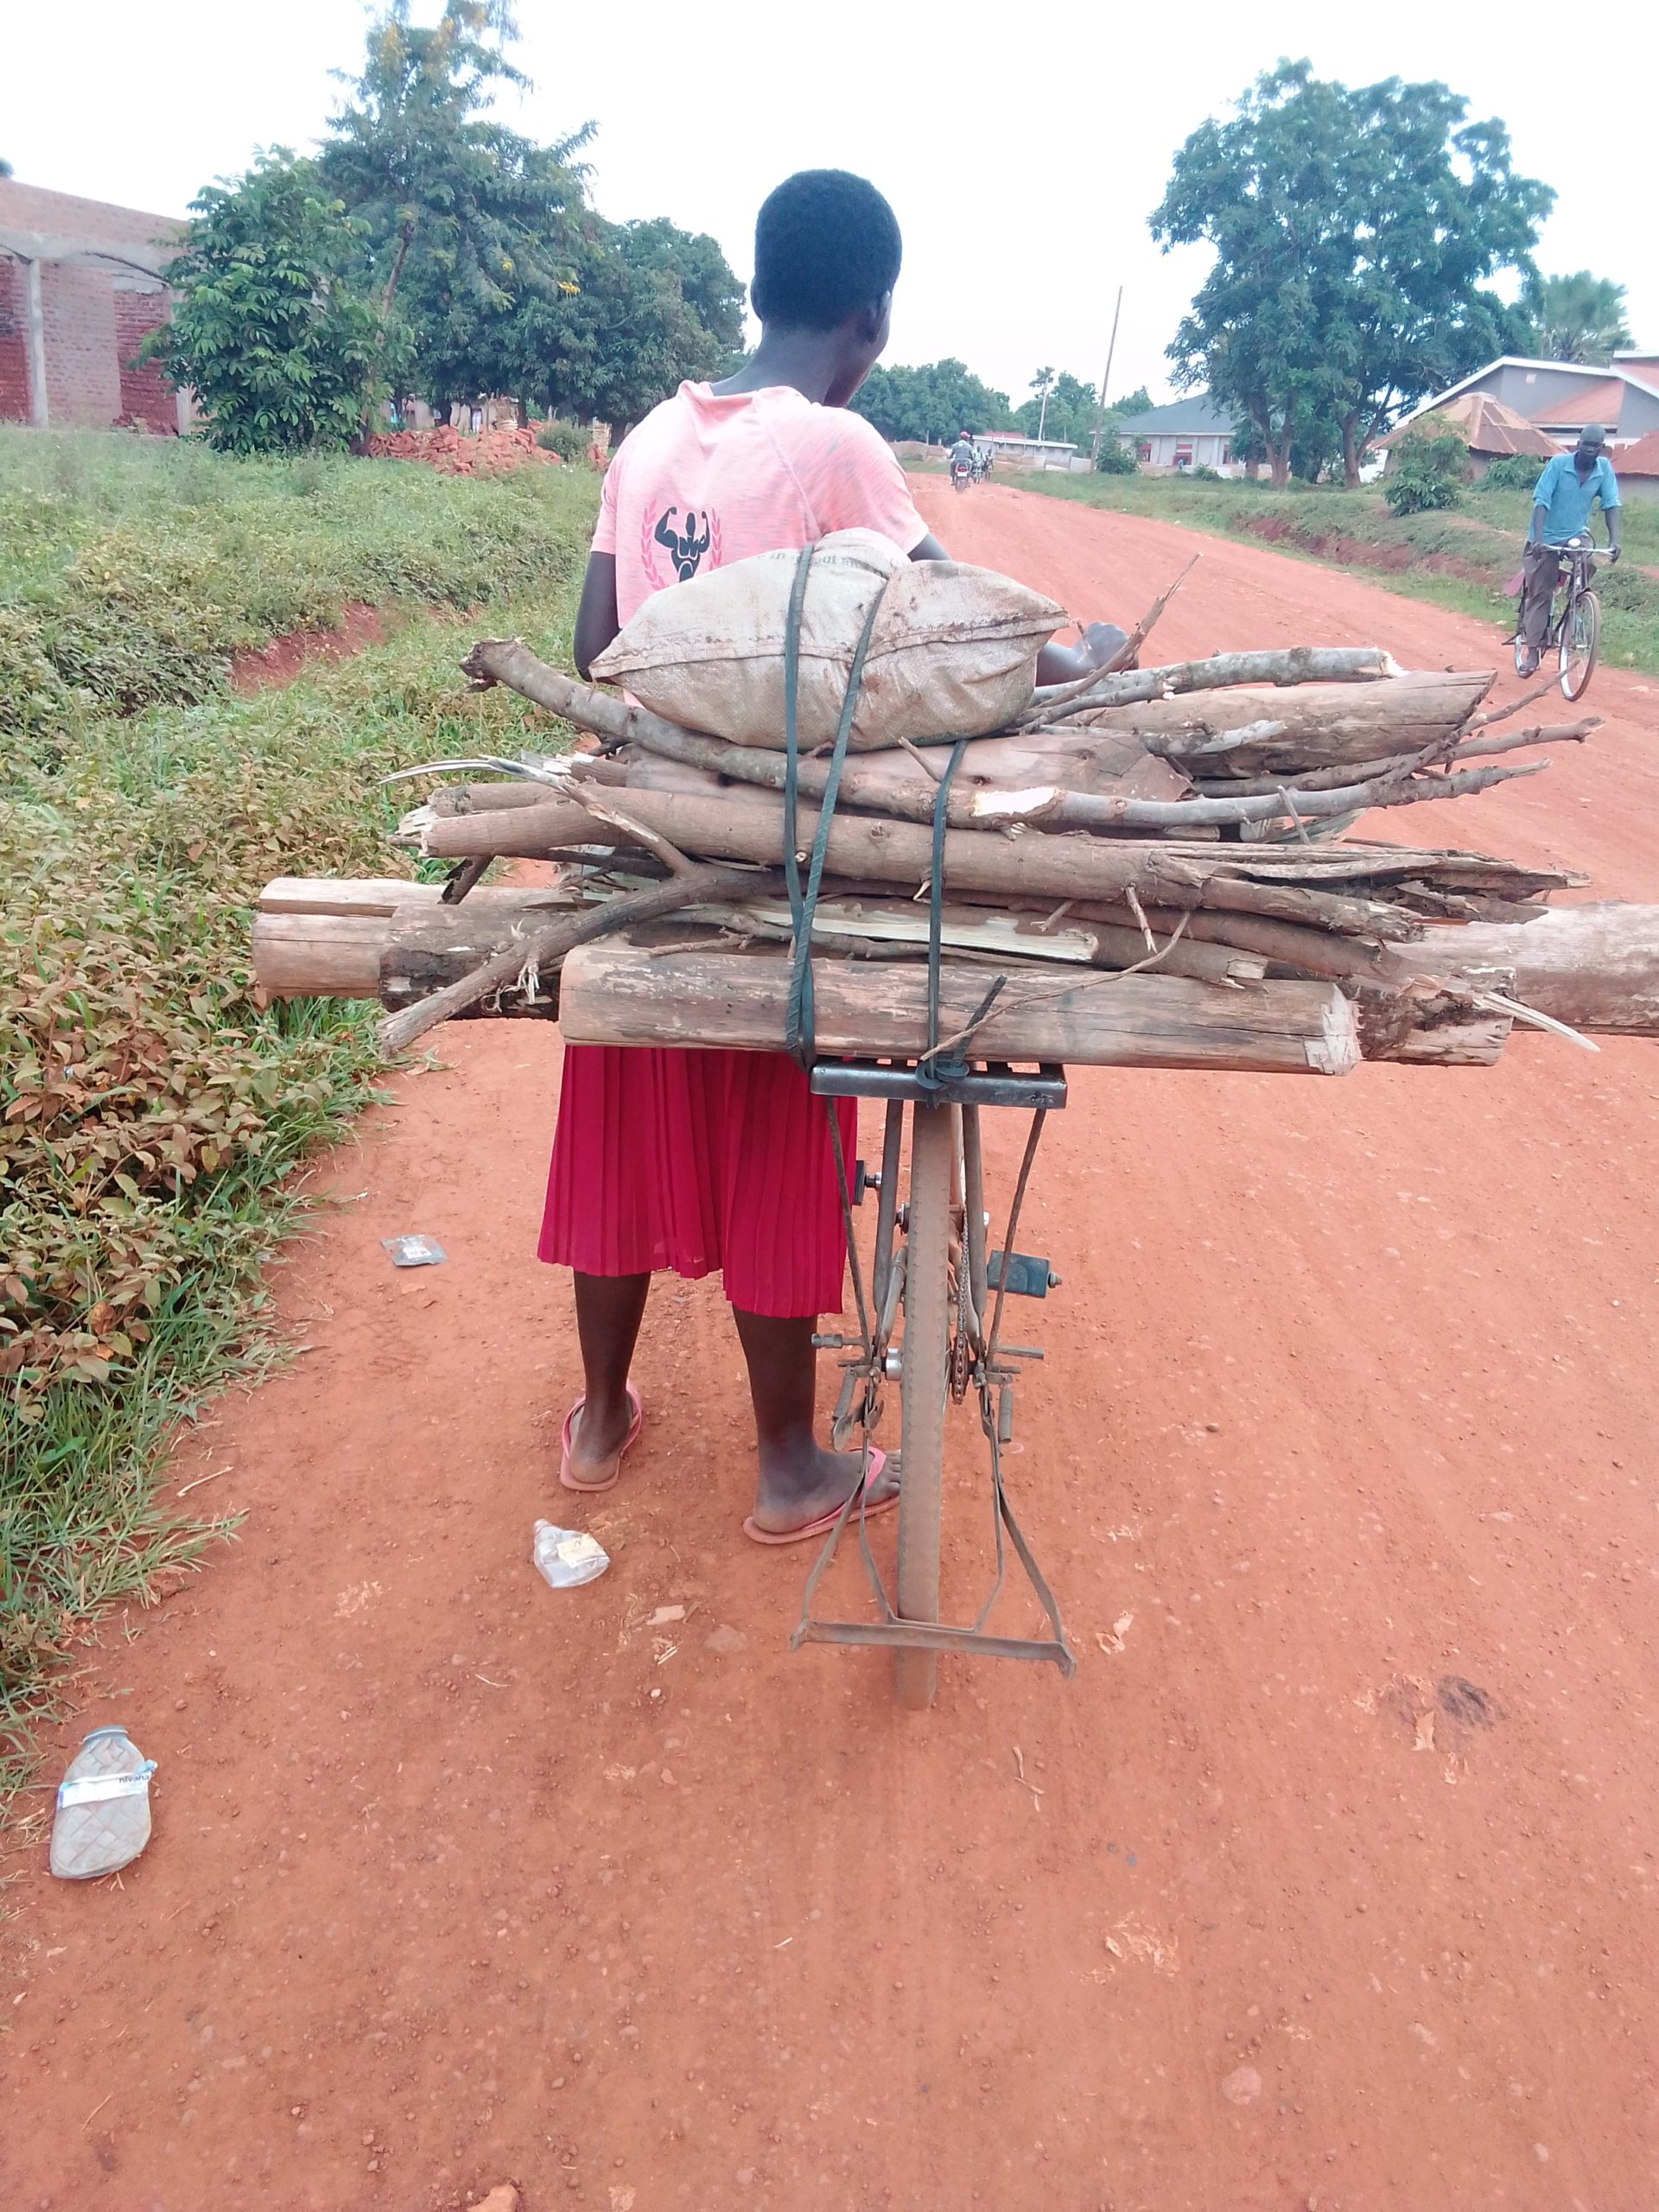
1569 486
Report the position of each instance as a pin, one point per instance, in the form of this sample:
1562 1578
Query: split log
1442 1029
1294 665
617 992
1447 752
1252 732
386 894
302 950
1010 870
1066 810
1595 968
545 946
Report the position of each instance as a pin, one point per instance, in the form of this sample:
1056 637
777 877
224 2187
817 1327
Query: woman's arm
597 623
1055 663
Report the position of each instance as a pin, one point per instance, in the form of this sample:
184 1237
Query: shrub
1513 472
568 440
1427 469
1114 458
150 1109
1205 474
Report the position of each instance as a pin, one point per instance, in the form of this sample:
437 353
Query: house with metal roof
1559 397
1189 433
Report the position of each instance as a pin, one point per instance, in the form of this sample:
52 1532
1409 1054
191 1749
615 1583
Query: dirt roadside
1333 1881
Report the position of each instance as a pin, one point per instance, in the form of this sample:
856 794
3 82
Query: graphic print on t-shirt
686 539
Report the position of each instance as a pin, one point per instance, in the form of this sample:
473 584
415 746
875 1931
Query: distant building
1189 433
1557 399
1022 452
80 288
1492 429
1637 468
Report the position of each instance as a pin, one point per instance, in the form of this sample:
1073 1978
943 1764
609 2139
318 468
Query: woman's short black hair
826 244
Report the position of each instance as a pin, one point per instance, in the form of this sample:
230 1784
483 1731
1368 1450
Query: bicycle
1573 632
931 1320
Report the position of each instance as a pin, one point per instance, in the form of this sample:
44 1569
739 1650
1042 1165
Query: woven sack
953 652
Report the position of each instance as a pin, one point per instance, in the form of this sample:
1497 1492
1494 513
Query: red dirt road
1332 1881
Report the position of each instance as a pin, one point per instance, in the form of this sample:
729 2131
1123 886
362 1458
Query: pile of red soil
491 453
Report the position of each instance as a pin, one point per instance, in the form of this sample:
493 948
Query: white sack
953 653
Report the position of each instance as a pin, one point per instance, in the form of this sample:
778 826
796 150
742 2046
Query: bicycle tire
922 1392
1581 644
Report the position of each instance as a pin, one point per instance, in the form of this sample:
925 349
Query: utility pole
1105 384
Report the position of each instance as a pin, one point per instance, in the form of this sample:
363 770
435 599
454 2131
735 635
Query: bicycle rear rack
900 1083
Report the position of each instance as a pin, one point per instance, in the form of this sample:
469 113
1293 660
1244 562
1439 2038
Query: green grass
1460 559
150 1113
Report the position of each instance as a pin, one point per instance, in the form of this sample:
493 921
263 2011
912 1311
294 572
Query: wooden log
319 956
1439 1029
1030 868
1595 967
1255 733
617 992
1295 664
543 946
1065 809
386 894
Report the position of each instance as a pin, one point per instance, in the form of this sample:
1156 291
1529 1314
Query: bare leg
609 1309
799 1480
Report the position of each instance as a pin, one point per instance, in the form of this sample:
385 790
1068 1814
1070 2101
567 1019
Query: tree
1353 232
1065 411
272 326
650 306
463 217
1428 468
931 403
1576 318
1042 384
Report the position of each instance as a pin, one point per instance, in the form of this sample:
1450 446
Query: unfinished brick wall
146 396
83 371
14 341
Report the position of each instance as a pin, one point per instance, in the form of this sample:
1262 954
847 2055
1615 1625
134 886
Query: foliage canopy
1354 232
1576 318
273 327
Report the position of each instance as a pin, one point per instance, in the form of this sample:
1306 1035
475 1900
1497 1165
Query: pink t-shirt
705 480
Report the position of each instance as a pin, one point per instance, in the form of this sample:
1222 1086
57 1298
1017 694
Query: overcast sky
1022 165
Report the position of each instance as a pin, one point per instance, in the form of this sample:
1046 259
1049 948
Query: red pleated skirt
698 1161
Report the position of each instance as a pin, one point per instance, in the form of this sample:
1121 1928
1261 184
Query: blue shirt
1570 499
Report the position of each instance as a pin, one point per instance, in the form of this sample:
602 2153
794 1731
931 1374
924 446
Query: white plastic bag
953 653
566 1558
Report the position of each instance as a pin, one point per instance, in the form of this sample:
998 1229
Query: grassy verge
1461 560
151 1114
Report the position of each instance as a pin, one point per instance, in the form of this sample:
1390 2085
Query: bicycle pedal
1028 1275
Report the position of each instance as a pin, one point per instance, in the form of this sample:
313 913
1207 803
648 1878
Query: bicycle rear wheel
922 1387
1581 643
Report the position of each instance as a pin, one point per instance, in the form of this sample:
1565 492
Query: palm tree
1577 318
1042 384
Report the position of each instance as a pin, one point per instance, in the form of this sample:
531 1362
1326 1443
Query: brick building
79 288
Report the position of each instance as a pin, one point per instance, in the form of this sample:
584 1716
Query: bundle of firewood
1142 871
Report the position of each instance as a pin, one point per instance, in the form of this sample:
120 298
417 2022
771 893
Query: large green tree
464 218
273 327
932 403
1576 318
1069 414
1354 233
651 305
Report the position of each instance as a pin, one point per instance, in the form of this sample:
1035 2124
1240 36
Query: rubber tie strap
798 1037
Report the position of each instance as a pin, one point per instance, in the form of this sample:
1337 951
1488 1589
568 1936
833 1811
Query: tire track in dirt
1348 1408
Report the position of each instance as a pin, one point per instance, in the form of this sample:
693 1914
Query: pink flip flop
825 1522
610 1480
